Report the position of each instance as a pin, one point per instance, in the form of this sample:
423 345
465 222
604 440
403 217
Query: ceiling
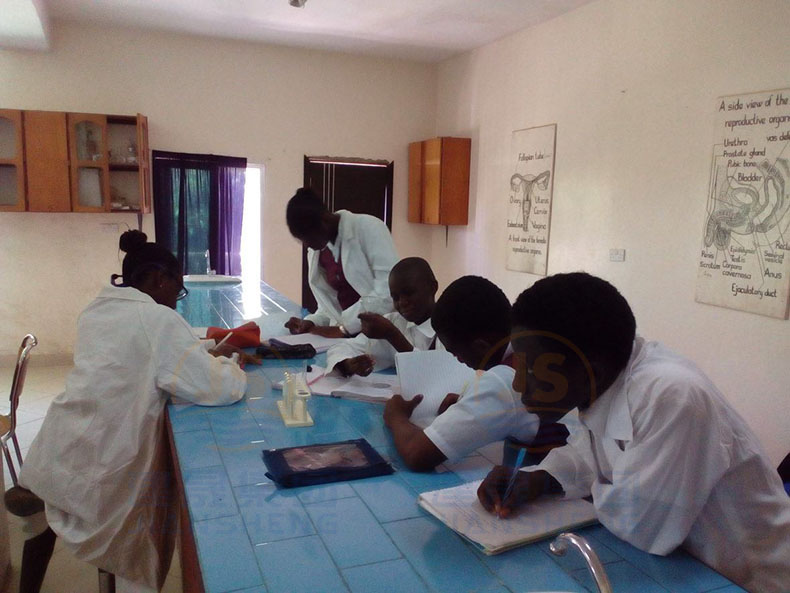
424 30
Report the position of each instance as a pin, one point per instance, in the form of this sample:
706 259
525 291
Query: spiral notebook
461 511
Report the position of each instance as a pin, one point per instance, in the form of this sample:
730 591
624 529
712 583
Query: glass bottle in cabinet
12 177
90 190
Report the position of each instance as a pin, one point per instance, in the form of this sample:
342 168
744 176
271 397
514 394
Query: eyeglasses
183 293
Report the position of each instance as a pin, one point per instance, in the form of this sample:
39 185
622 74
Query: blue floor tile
243 433
244 465
351 533
529 569
393 576
227 561
208 493
471 468
573 560
196 448
299 566
184 417
440 557
324 492
678 571
624 578
388 498
367 420
729 589
228 417
425 482
271 514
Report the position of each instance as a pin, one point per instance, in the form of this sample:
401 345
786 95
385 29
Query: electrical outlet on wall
617 255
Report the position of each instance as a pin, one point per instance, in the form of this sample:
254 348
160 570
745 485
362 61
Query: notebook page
320 343
374 387
434 374
460 510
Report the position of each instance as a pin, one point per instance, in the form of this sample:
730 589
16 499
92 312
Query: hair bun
132 240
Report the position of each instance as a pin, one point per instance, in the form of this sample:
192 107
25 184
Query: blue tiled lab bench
243 534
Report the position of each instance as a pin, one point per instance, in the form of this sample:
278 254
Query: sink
211 279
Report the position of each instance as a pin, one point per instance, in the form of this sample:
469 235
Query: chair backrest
28 343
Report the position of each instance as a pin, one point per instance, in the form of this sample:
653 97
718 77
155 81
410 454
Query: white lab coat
669 462
367 255
419 336
100 461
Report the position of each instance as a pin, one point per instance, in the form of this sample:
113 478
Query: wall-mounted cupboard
52 161
439 181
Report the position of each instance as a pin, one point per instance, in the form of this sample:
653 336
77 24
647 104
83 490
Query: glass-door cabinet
88 155
12 174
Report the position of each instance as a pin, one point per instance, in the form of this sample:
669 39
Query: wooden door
46 161
12 159
143 159
363 187
90 179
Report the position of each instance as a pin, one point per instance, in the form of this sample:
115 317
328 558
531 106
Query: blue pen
519 460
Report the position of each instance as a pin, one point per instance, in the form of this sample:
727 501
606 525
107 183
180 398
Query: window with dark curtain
198 205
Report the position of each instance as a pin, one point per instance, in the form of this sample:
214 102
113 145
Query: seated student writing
413 289
349 256
100 460
472 321
667 460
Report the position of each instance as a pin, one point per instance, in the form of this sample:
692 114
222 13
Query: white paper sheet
376 387
434 374
460 510
320 343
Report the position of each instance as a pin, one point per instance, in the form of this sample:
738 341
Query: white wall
631 85
270 104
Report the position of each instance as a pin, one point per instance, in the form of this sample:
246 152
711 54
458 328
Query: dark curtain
198 204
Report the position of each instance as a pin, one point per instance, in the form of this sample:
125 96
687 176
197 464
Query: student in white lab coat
665 457
472 321
100 460
413 290
349 256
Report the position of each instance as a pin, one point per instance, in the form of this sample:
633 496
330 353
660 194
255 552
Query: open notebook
460 510
375 387
320 343
434 374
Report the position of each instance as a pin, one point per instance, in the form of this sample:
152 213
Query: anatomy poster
745 254
529 201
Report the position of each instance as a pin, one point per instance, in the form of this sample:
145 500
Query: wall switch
617 255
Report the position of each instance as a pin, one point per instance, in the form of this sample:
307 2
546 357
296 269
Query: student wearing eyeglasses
99 462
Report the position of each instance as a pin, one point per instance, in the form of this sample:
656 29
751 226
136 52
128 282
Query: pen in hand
519 460
223 340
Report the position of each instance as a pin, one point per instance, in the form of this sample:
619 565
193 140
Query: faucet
560 545
208 262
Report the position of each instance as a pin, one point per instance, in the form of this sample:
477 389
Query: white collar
126 293
610 414
425 328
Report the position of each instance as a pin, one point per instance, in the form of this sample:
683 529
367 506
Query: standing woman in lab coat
100 461
349 256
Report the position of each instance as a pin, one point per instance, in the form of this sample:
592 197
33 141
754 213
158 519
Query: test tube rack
293 405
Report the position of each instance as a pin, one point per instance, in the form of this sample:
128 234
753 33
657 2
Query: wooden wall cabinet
74 162
439 181
12 170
